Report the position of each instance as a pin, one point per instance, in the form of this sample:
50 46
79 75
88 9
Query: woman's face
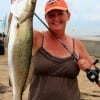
57 19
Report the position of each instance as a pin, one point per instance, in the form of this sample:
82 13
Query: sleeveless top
54 78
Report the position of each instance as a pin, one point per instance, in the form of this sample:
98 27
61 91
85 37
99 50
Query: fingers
84 64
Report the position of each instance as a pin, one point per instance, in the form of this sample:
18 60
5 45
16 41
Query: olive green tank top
54 78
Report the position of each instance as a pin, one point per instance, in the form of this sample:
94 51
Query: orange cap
55 4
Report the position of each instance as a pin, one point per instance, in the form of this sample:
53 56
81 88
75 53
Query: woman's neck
60 35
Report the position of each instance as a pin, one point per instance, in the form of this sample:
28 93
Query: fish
20 46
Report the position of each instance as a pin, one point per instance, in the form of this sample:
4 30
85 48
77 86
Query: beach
89 91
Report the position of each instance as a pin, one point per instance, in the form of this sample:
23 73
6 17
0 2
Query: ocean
89 37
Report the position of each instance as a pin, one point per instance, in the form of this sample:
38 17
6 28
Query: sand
89 91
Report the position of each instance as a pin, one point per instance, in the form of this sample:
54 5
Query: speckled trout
20 45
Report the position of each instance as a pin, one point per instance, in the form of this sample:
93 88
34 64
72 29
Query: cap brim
54 8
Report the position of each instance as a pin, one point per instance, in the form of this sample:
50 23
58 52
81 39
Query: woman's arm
85 61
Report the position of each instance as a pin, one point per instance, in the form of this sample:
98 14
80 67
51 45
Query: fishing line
91 74
59 40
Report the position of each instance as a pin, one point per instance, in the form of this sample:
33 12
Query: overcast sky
85 16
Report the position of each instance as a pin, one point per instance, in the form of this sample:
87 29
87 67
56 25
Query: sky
84 20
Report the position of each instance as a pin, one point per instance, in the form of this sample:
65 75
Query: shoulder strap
73 45
42 39
74 48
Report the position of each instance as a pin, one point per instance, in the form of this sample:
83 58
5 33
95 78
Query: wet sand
89 91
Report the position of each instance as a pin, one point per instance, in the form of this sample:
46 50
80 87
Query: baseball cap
55 4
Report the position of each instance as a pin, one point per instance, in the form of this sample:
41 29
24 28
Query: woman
56 70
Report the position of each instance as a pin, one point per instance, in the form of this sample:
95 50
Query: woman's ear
68 15
45 18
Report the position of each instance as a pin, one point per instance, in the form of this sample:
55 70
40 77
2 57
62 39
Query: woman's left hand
84 64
